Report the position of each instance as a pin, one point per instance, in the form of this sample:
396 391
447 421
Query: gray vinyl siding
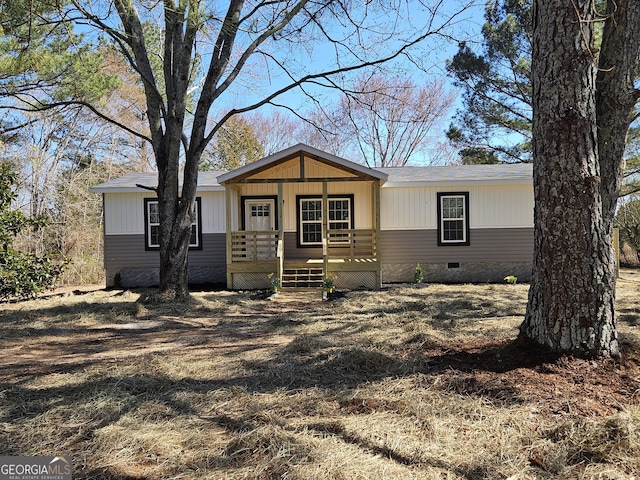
293 252
512 245
127 253
492 254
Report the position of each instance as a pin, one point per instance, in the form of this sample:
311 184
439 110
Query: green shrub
24 275
21 274
418 275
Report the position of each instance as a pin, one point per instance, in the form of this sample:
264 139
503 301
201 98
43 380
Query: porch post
280 243
280 211
376 226
325 223
227 195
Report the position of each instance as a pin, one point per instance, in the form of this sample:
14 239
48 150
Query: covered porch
300 217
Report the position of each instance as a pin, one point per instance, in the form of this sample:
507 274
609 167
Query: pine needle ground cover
411 382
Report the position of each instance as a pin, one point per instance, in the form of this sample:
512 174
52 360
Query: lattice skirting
355 280
250 281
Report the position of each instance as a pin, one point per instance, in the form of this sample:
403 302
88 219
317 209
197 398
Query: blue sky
427 60
431 54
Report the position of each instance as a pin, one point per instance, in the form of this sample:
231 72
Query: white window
340 213
152 225
453 218
339 219
310 222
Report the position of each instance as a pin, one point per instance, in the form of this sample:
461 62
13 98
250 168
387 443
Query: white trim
464 218
332 198
148 224
302 222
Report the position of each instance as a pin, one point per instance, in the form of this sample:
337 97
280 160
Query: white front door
259 214
260 217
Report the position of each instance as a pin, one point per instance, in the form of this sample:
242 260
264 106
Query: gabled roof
512 173
129 183
296 151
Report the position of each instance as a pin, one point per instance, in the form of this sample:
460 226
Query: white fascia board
443 183
98 189
130 183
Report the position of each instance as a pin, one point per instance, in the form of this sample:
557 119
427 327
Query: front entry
259 214
259 220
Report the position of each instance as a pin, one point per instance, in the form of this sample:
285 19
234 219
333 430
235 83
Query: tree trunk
571 298
176 210
175 225
616 96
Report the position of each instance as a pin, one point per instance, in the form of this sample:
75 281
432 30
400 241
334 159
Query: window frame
148 225
465 219
349 197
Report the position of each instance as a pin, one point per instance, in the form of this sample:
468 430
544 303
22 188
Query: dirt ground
506 372
497 368
394 384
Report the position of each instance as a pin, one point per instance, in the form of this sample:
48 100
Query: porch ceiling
350 171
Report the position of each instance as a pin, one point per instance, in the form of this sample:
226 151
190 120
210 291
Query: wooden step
302 277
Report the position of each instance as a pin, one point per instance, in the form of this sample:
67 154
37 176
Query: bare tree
388 120
206 48
276 129
60 158
61 154
127 103
628 221
324 130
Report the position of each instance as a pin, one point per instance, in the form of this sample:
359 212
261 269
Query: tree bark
571 298
175 232
616 96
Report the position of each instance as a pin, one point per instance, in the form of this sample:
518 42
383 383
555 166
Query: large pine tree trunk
571 298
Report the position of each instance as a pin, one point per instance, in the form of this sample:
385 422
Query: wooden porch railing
349 255
254 246
351 244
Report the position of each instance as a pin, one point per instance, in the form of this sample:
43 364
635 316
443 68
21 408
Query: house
302 214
